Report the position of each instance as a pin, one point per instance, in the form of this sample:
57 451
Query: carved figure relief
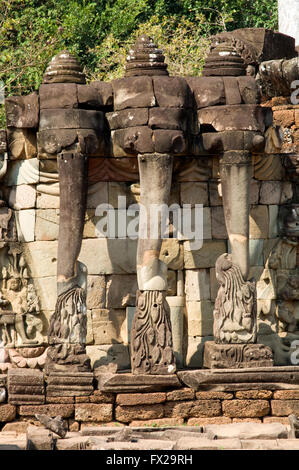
235 306
19 311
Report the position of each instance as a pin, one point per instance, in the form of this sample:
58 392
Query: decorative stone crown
64 68
224 60
145 59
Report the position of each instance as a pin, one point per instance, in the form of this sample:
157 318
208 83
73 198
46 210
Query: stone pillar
288 13
151 338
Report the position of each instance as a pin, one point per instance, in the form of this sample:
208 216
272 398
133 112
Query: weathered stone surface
7 413
200 318
72 443
71 119
248 90
207 444
46 224
194 193
207 421
284 407
214 395
262 376
22 111
158 422
218 223
142 444
197 284
132 140
168 141
232 92
119 287
57 425
125 414
106 326
205 257
249 431
93 412
254 394
140 398
96 292
207 91
286 395
172 92
89 97
19 427
22 197
172 254
241 117
105 91
192 409
270 192
22 172
166 118
101 397
129 383
245 408
39 439
133 92
128 118
3 140
102 355
180 395
58 95
194 357
21 143
25 221
258 222
64 410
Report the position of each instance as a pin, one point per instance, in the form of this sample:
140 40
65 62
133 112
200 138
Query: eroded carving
151 338
235 306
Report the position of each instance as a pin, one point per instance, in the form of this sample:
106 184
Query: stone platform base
69 384
189 397
236 356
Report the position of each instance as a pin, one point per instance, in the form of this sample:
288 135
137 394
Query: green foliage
100 33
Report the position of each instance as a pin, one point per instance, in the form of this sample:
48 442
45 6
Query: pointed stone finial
145 59
64 68
224 60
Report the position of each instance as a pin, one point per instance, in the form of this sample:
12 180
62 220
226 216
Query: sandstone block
133 92
208 421
7 413
132 140
22 197
218 223
98 413
25 220
180 395
22 172
119 287
169 141
96 292
131 399
284 117
21 143
22 111
286 395
106 325
214 395
89 97
158 422
207 91
254 394
64 410
58 95
39 439
71 119
206 256
258 222
46 224
194 356
248 90
197 284
125 414
101 397
194 193
245 408
46 201
166 118
232 92
215 193
192 409
128 118
284 407
172 253
105 92
101 355
248 431
273 221
270 192
200 318
172 92
241 117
